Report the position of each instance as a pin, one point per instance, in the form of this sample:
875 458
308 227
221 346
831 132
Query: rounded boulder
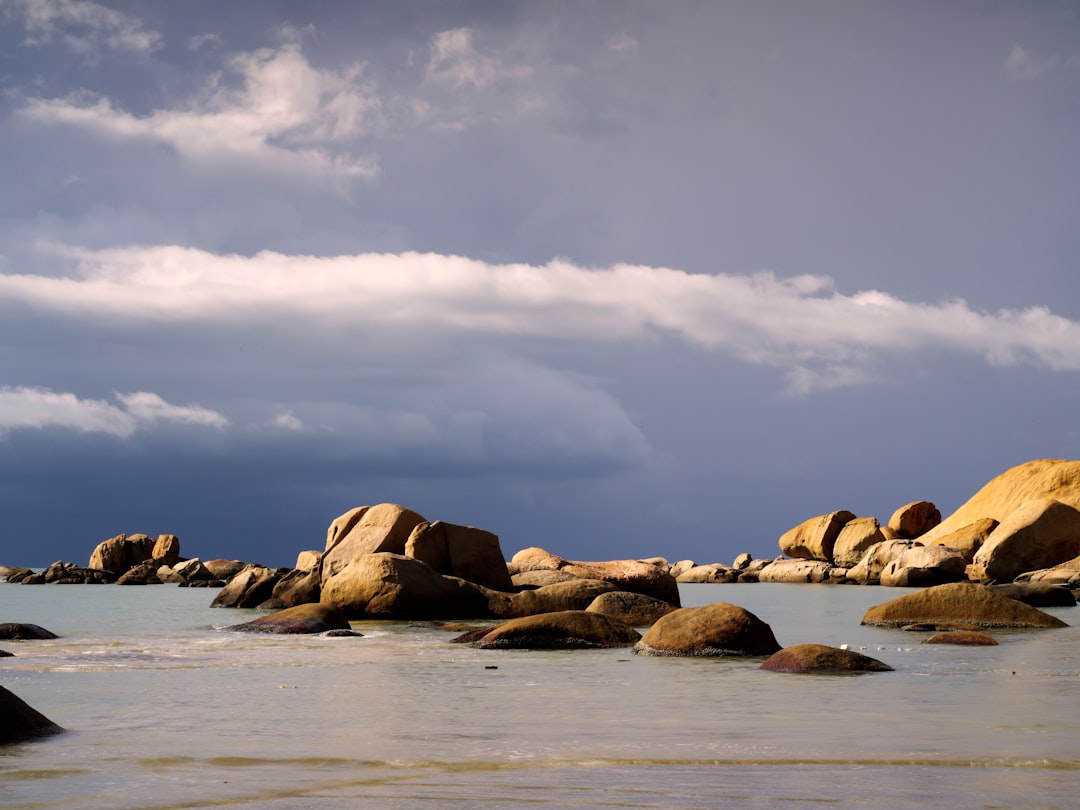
710 630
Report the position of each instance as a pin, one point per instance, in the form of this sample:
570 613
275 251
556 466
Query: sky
615 279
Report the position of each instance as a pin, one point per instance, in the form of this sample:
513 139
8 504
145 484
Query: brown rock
715 572
225 569
1037 534
249 588
392 586
297 587
300 619
710 630
533 558
568 629
575 594
968 539
632 609
796 571
193 570
19 721
166 550
307 560
1037 594
869 569
921 566
965 602
1066 573
914 519
813 539
636 576
968 638
142 574
19 631
461 551
119 554
855 538
539 577
823 660
383 528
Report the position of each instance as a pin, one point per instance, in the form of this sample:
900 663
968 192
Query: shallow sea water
164 709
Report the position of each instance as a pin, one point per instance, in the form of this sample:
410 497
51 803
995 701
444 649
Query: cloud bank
823 338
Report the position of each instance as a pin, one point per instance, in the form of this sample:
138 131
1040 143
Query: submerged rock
966 602
567 629
301 619
710 630
967 638
16 631
822 659
1037 594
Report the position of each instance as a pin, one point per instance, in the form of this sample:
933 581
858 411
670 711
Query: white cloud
82 25
146 407
285 114
287 420
39 408
454 61
800 324
1020 64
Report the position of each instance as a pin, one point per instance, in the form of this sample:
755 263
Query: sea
166 708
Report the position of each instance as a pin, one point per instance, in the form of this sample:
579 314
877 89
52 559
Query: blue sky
617 279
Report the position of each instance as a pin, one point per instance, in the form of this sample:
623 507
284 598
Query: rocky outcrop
393 586
1037 534
801 570
301 619
568 629
968 539
712 572
632 609
922 566
718 629
141 574
225 569
574 594
868 571
249 588
813 539
914 519
18 631
460 551
19 721
965 602
1066 574
297 587
636 576
855 538
823 660
379 529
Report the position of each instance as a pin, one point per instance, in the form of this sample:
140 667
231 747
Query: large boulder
166 550
813 539
708 573
914 519
966 602
298 587
710 630
393 586
460 551
568 629
823 660
868 571
249 588
632 609
141 574
225 569
855 538
379 529
801 570
574 594
967 539
539 577
1044 478
193 570
119 554
300 619
19 721
921 566
1037 534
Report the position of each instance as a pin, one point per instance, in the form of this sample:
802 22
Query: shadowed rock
301 619
461 551
15 631
914 519
822 659
567 629
1037 594
632 609
574 594
710 630
19 721
965 602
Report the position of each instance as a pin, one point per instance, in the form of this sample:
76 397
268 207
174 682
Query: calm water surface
167 710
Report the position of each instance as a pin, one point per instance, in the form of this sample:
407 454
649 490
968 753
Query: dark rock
15 631
1037 594
821 659
574 594
142 574
298 587
19 721
568 629
632 609
300 619
969 638
249 588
